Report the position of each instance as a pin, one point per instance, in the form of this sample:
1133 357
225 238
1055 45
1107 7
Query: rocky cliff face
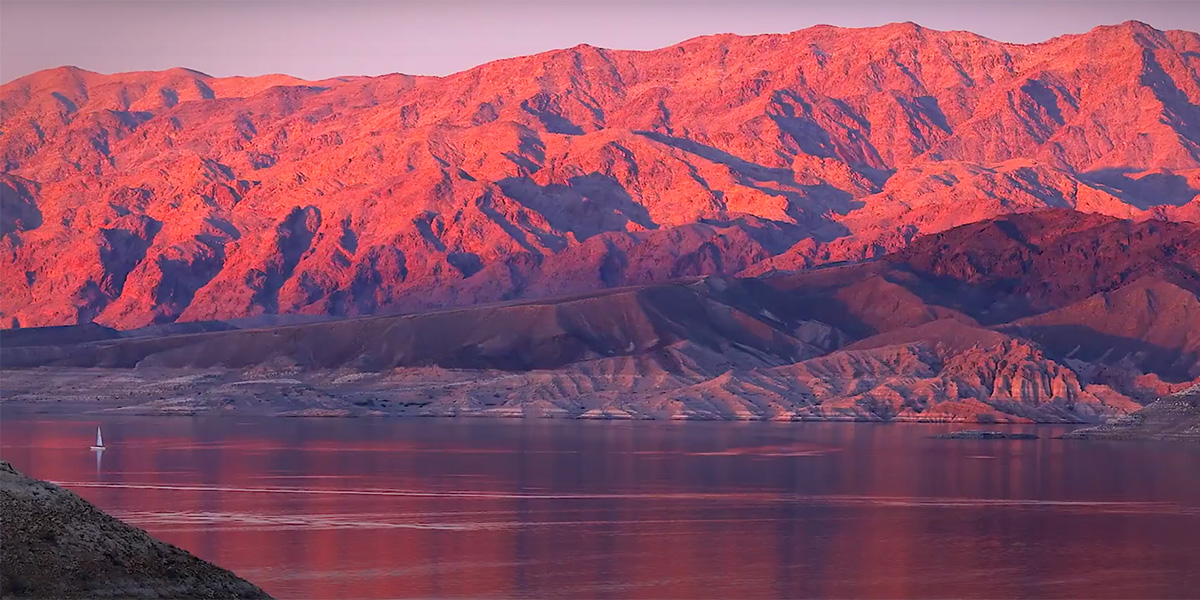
57 545
147 198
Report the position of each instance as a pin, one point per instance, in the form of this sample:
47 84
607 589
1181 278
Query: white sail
99 441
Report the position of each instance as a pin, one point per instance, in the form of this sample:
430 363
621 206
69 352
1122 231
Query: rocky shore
1172 417
57 545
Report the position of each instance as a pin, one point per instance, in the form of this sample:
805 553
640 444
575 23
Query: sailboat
99 441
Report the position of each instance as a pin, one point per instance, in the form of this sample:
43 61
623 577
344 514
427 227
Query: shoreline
1078 431
433 392
66 413
75 411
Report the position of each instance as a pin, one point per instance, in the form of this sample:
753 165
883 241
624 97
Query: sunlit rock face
155 197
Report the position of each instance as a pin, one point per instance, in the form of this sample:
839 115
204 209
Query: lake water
473 508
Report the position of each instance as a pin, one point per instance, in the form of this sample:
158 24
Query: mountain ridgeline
153 198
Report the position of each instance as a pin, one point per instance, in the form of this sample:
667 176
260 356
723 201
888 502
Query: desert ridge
150 198
1051 317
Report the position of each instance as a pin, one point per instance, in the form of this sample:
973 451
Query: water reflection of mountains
701 510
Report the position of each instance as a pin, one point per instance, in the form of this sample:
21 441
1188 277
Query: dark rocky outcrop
57 545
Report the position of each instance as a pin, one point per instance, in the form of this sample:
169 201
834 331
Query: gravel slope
57 545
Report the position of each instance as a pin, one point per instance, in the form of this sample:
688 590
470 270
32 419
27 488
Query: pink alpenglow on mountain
158 197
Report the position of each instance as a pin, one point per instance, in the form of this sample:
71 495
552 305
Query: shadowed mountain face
1053 316
149 198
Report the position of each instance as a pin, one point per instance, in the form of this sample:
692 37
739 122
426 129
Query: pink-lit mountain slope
146 198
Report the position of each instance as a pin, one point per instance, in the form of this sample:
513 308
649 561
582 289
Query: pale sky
315 39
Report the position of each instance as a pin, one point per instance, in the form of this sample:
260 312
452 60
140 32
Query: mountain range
142 198
892 223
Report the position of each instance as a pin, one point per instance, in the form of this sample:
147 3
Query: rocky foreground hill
1053 316
138 199
57 545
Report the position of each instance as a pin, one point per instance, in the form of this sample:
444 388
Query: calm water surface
472 508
